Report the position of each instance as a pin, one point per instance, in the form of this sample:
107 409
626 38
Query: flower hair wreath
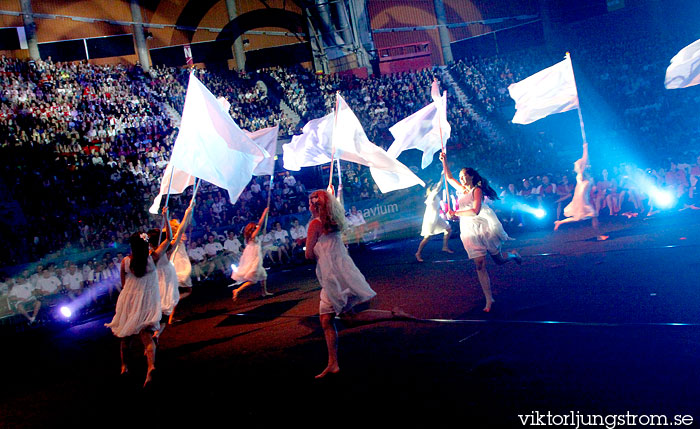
144 237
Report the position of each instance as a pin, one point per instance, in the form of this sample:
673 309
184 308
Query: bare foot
149 378
516 256
331 369
603 237
125 370
418 258
488 306
235 294
556 224
399 313
448 250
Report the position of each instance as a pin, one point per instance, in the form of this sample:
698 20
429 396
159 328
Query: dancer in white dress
580 207
480 230
250 268
433 224
138 306
177 255
343 287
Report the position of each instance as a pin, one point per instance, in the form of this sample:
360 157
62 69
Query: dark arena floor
583 327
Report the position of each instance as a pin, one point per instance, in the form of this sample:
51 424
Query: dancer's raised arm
165 243
260 224
448 174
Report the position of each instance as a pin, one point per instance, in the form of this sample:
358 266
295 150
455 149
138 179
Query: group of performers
156 268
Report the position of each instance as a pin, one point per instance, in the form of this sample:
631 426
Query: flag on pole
684 70
266 139
211 146
314 147
188 54
180 182
552 90
426 130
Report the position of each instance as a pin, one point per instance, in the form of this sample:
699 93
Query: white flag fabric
180 182
348 138
426 130
266 139
211 146
684 70
552 90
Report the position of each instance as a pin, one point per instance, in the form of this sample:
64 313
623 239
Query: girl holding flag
480 230
433 224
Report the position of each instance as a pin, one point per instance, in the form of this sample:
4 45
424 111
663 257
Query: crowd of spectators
89 143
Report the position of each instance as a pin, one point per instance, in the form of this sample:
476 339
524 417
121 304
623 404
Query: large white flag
266 139
180 181
426 130
211 146
684 70
350 142
552 90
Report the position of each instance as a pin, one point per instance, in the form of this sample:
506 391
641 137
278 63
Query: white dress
167 284
250 267
580 206
342 285
138 305
483 233
183 266
432 222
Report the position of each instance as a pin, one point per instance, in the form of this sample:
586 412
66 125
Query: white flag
180 182
266 139
684 70
211 146
351 144
312 147
426 130
552 90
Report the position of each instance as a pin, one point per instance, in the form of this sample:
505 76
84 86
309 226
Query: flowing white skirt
343 285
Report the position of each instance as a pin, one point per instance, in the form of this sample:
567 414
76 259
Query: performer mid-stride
480 230
433 224
580 207
344 290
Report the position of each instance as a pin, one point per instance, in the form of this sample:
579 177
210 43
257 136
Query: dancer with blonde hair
344 290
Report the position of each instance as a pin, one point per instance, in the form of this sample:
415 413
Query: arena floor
583 326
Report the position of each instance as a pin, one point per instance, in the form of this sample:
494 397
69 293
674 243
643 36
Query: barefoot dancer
580 207
250 269
343 287
480 230
433 224
138 306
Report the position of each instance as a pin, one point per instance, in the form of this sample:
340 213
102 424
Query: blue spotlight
662 199
234 268
65 312
539 213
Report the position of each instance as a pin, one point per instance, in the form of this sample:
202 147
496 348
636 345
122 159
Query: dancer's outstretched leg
331 335
265 293
484 281
239 289
150 352
445 239
422 244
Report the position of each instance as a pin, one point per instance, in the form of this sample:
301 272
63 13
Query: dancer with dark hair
480 230
138 310
433 224
343 287
250 268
